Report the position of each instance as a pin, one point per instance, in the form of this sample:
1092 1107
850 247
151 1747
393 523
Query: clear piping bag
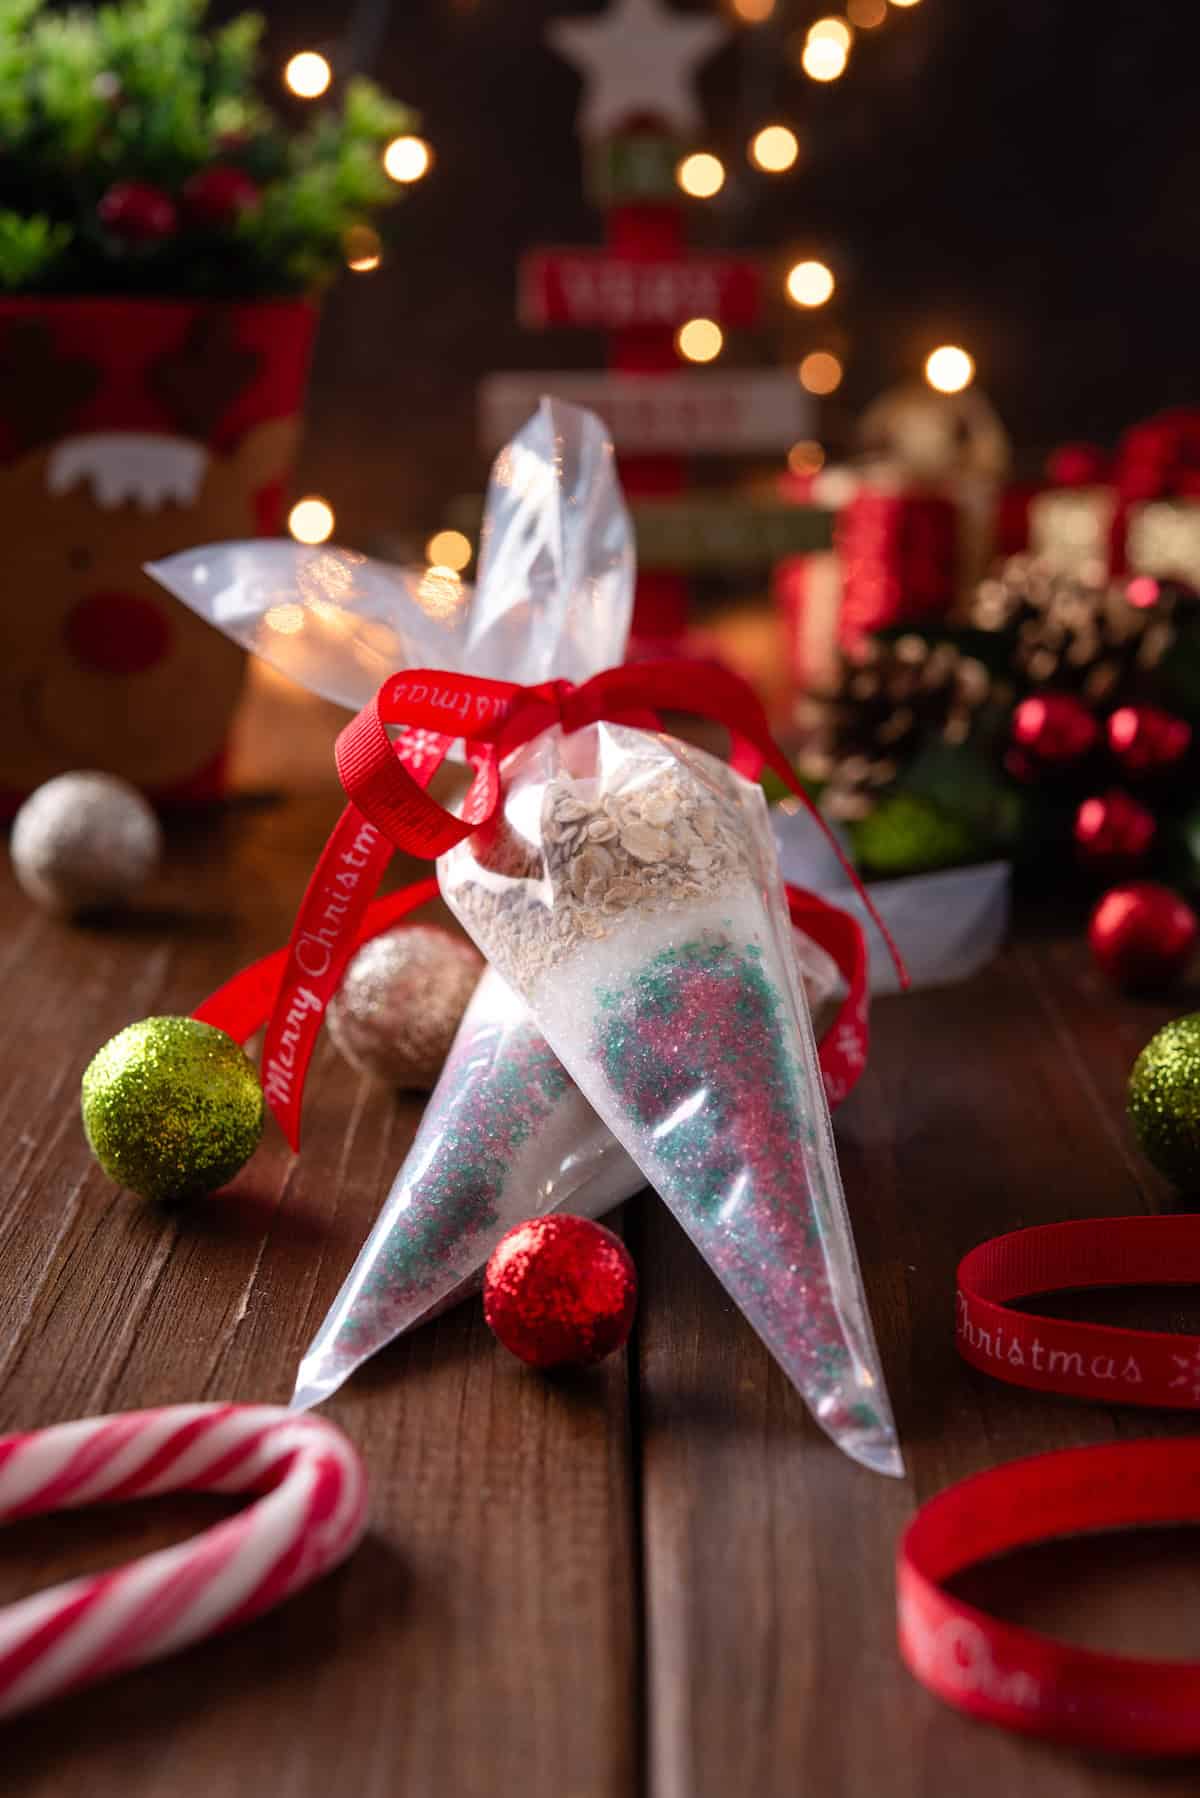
506 1135
629 892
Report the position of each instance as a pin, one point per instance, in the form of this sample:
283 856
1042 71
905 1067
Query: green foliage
144 91
909 834
29 248
1055 633
967 784
774 789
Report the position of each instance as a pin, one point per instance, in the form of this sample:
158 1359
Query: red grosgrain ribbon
389 807
1012 1676
329 926
843 1048
1091 1361
245 1003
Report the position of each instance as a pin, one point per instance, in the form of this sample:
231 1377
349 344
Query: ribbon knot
574 706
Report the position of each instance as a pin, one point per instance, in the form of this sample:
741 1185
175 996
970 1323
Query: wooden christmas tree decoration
638 118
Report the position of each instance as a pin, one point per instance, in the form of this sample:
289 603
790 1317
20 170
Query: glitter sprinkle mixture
455 1187
695 1046
636 904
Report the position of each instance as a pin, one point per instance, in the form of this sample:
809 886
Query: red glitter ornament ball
1113 831
218 196
1142 934
1055 728
560 1292
1146 740
137 212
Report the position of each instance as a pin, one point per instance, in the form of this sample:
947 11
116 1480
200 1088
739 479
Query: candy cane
310 1515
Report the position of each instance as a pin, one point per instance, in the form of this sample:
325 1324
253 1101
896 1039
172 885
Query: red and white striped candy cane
310 1513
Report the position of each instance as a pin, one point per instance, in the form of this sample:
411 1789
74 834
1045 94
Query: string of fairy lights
822 51
308 75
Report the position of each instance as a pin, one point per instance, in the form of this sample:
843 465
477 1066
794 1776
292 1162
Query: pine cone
1029 626
892 698
1078 635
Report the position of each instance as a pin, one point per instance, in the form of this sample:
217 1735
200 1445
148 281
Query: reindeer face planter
129 429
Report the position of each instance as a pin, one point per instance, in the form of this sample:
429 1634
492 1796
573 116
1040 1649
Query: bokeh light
774 149
440 591
836 30
700 340
307 75
822 59
809 284
1143 592
286 620
363 248
820 372
311 520
451 549
865 15
905 2
949 369
752 12
701 175
806 457
407 158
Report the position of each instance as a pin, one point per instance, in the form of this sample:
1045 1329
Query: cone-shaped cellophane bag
506 1135
628 890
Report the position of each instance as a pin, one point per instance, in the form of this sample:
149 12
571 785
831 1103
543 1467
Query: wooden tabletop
659 1578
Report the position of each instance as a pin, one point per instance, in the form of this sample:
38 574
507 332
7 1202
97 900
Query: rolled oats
659 836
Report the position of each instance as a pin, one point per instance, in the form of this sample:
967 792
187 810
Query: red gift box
896 561
900 558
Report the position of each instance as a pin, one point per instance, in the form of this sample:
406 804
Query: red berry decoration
137 212
1143 935
220 195
1146 740
1055 728
560 1292
1113 831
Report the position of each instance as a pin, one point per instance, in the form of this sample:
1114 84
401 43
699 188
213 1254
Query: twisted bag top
553 598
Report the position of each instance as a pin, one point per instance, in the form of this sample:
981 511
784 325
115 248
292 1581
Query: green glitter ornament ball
172 1108
1164 1101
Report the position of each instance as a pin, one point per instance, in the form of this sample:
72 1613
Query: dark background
1020 176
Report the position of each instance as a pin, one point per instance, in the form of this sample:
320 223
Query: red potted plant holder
130 428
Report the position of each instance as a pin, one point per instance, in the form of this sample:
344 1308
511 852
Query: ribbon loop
1007 1674
387 787
1083 1360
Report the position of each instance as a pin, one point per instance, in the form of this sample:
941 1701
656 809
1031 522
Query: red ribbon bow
390 809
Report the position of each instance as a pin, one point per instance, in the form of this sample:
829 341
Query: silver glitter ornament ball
84 841
400 1003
